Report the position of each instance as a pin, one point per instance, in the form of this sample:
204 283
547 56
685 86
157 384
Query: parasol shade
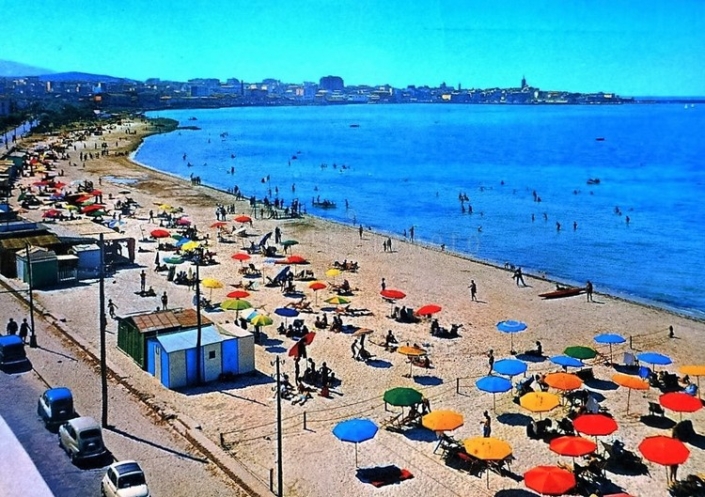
539 401
596 425
390 293
563 381
572 446
549 480
402 397
664 450
442 420
487 448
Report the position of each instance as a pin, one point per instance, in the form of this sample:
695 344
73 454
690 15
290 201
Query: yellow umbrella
696 370
487 449
411 352
563 381
337 300
190 245
630 382
211 283
442 420
539 401
333 272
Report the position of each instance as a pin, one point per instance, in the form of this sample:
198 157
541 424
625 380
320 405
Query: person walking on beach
384 284
111 308
143 280
411 234
11 328
588 290
486 425
165 300
490 360
519 277
473 291
353 349
360 230
24 330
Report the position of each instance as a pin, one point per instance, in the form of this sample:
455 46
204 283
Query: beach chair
446 443
280 278
630 360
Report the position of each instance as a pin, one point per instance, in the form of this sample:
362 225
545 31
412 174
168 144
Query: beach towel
379 476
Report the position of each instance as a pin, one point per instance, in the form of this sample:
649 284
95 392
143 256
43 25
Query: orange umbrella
572 446
680 402
487 449
549 480
696 370
630 382
442 420
539 401
243 219
411 352
219 224
563 381
315 286
595 424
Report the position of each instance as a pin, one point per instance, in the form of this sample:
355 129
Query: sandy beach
241 413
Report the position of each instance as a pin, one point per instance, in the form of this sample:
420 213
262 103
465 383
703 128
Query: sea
607 193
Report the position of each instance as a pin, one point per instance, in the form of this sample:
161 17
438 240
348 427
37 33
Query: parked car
12 351
124 479
82 438
55 406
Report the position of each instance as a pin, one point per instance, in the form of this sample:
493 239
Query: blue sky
631 47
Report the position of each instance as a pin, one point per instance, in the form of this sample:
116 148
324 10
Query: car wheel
73 457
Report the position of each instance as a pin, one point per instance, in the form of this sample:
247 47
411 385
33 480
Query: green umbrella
402 396
235 305
261 320
97 213
289 243
174 259
580 352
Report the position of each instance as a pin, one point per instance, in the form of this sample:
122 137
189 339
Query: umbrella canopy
219 224
317 285
183 222
596 425
51 213
428 310
680 402
610 338
572 446
286 312
289 243
563 381
664 450
549 480
355 431
494 384
411 351
442 420
337 300
238 294
190 245
402 397
243 219
332 272
211 283
307 339
510 367
390 293
511 326
91 208
654 358
568 362
630 382
235 305
539 401
362 331
240 256
580 352
173 259
487 448
693 369
295 259
261 320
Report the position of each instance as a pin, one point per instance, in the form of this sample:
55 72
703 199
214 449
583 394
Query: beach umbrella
91 208
549 480
610 339
295 259
654 358
428 310
494 385
261 320
402 397
337 300
286 313
572 446
174 259
211 283
539 401
315 286
96 213
390 293
510 367
567 362
596 425
696 370
236 305
307 339
332 272
580 352
410 352
442 420
680 402
219 224
243 219
240 256
71 207
159 233
355 431
362 332
663 450
190 245
182 221
487 449
511 326
630 382
51 213
238 294
289 243
563 381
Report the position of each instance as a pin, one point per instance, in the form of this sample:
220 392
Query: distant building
331 83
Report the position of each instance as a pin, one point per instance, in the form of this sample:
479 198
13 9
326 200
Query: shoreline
693 314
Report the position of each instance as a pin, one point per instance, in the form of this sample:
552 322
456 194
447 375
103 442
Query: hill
9 69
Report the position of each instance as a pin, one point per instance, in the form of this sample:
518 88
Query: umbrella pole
356 455
629 394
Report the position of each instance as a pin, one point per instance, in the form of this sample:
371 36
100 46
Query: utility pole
103 323
280 462
199 359
32 336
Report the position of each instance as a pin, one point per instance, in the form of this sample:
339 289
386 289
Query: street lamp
32 336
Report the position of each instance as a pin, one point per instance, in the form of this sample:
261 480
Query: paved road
172 467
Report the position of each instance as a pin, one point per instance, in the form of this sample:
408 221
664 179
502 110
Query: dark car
55 406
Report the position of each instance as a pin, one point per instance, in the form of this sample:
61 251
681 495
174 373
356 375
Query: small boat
599 139
593 181
562 292
354 125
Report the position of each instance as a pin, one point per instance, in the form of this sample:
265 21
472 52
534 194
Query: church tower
523 82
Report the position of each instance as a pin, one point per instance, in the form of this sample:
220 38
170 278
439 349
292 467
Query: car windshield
131 480
90 434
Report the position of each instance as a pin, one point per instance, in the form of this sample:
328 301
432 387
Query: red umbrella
83 198
595 424
238 294
307 339
572 446
680 402
664 450
51 213
392 294
219 224
549 480
295 259
160 234
240 256
183 221
427 310
243 219
95 193
91 208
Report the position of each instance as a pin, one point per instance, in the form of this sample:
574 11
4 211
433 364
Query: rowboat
562 292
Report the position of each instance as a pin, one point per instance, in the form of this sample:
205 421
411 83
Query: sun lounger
383 475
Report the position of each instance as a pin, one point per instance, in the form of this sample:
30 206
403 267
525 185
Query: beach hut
88 260
45 267
173 358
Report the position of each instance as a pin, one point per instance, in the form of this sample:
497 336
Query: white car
82 438
124 479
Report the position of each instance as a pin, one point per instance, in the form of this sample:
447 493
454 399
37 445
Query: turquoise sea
406 165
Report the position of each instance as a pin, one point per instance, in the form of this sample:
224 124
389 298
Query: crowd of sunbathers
346 266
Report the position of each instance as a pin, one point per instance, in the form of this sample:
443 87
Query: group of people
23 329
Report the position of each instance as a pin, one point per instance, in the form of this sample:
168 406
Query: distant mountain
9 69
80 76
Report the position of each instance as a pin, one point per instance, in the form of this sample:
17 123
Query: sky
633 48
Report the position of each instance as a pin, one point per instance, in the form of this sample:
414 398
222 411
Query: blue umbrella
493 385
286 312
511 326
654 358
355 430
183 241
510 367
566 361
610 339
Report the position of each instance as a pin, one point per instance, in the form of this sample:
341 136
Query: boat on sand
562 292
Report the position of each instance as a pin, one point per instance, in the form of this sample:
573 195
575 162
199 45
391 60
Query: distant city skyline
628 47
